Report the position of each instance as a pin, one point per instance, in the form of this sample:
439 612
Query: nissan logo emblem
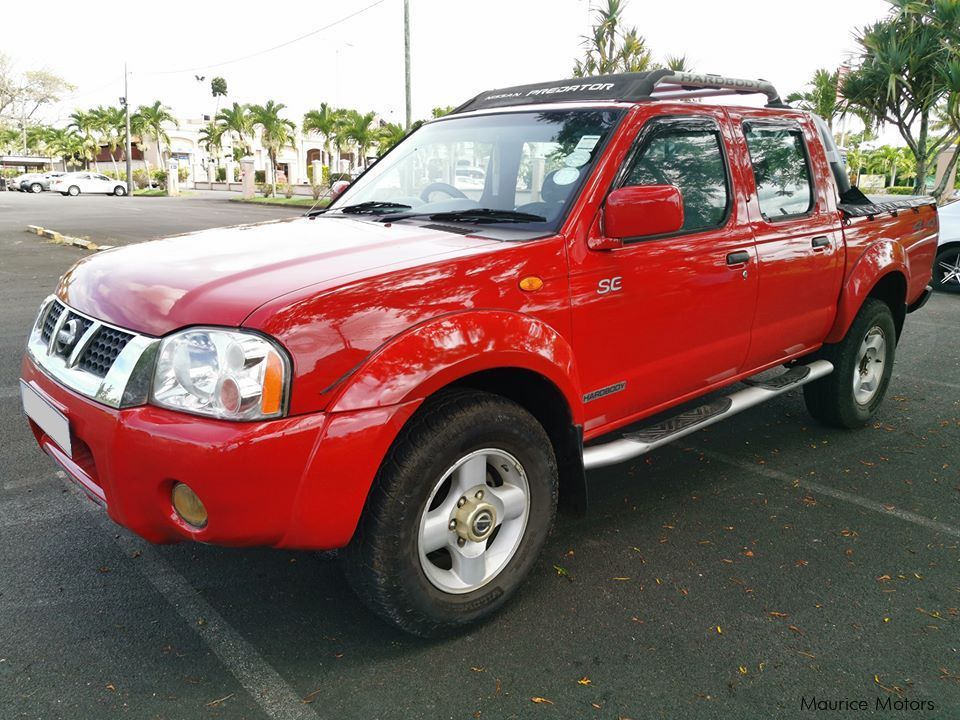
69 334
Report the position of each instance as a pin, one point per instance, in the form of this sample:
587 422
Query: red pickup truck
552 278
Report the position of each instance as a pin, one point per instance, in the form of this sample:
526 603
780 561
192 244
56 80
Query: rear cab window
781 170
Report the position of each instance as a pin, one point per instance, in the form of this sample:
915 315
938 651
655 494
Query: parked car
39 183
946 270
420 381
87 182
20 181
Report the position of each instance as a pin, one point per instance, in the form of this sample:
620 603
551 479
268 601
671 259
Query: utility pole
406 57
126 108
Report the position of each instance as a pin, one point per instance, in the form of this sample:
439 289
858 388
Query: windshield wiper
473 215
371 207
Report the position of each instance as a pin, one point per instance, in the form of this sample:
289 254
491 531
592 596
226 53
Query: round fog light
188 506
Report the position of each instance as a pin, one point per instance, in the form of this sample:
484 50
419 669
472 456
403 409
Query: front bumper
294 482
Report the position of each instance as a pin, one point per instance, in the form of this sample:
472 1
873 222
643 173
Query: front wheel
36 187
119 191
946 270
862 365
458 514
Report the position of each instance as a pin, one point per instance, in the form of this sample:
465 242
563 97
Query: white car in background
88 182
946 268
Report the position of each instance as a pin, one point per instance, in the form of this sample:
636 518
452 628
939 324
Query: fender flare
437 352
882 258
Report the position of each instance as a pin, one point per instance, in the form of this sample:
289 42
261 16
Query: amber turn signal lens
531 283
272 396
188 506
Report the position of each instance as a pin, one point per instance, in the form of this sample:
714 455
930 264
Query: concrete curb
61 239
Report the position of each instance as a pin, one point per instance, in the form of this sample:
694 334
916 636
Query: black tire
73 191
832 400
119 191
945 268
382 562
36 188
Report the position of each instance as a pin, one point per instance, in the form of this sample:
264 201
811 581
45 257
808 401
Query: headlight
222 373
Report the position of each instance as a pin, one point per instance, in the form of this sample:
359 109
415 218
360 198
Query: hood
218 277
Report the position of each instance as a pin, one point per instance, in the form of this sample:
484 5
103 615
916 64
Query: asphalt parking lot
759 562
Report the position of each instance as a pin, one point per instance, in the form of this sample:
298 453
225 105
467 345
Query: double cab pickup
552 278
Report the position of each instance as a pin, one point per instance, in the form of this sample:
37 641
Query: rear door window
781 171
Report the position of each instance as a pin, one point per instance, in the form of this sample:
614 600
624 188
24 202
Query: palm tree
10 139
325 122
149 123
111 124
610 48
237 121
389 135
85 123
678 63
275 132
211 138
821 97
359 130
66 145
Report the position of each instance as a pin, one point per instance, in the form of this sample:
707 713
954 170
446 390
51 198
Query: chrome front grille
108 364
103 350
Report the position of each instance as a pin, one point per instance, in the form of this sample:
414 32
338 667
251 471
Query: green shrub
182 174
260 176
265 189
317 191
140 178
336 177
221 174
325 173
900 190
288 191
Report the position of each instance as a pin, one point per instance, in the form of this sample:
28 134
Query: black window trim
789 126
649 131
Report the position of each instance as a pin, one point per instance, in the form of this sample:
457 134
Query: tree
910 68
22 94
237 121
439 112
325 122
85 123
66 145
149 121
110 122
678 63
211 138
821 96
390 134
358 129
611 48
275 132
218 87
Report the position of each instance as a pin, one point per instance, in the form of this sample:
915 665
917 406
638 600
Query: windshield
522 168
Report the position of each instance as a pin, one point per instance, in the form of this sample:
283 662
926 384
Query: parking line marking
863 502
916 378
275 696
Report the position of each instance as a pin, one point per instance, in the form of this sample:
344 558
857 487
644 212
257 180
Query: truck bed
910 221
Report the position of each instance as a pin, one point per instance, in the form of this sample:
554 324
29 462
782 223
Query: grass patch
295 201
157 192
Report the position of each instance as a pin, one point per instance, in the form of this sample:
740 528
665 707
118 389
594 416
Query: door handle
820 242
738 258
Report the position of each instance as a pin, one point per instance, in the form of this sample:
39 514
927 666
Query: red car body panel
376 317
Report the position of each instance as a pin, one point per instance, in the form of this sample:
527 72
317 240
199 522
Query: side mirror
639 211
336 190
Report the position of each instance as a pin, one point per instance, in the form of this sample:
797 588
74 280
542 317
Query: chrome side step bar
634 444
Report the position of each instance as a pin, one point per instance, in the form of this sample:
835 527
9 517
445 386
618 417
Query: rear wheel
458 514
73 191
862 365
946 270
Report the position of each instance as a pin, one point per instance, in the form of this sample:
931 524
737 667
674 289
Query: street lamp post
406 57
126 107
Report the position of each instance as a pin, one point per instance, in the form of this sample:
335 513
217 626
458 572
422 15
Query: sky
458 47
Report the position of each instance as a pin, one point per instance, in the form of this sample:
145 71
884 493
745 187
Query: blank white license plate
53 422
